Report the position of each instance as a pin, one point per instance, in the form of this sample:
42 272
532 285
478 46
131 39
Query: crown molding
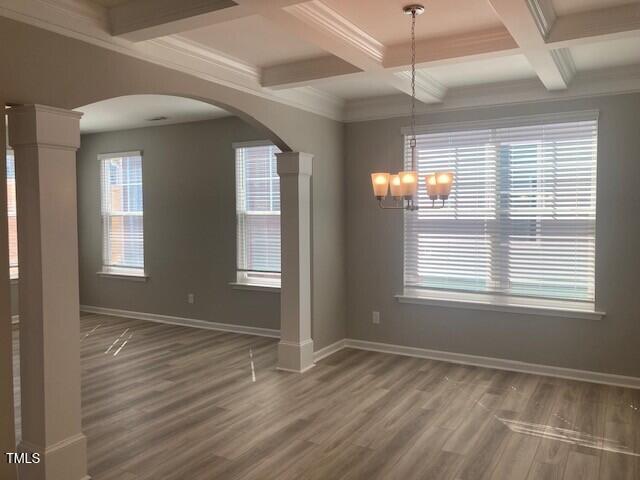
595 26
324 103
564 61
486 43
544 15
324 18
78 19
428 89
588 84
188 47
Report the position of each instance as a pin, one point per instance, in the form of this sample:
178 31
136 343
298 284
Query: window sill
133 277
255 286
499 303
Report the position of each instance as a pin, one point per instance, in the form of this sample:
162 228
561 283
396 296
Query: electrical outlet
376 318
191 298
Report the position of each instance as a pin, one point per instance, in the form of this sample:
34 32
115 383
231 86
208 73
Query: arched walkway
45 140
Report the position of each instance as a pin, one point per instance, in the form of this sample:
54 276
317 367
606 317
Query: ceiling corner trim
544 15
326 19
564 61
71 19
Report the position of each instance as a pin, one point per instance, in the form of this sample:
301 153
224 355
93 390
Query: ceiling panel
384 20
614 53
134 111
254 40
566 7
501 69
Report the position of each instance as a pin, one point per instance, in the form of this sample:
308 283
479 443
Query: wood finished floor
171 403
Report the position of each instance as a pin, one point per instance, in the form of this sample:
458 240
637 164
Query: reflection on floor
164 402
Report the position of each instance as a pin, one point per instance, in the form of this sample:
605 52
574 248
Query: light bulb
380 183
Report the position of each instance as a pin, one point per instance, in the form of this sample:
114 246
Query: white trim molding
497 363
501 303
132 277
329 350
504 122
255 287
326 19
182 321
452 357
613 81
88 22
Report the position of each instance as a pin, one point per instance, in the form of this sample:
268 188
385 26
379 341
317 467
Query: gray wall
79 73
189 221
14 298
375 250
328 269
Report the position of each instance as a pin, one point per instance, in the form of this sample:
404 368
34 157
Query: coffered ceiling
330 56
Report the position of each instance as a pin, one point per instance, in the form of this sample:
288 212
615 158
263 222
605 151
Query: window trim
255 287
243 282
487 300
114 271
501 303
502 122
140 276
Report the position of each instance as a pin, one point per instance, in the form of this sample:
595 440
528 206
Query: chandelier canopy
404 185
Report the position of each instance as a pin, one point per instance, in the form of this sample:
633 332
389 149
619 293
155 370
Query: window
11 208
258 214
122 213
521 217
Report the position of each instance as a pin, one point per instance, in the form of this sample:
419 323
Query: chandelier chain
413 84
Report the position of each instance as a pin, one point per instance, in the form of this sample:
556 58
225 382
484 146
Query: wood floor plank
581 466
164 402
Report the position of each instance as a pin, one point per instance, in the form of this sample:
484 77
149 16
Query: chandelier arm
410 205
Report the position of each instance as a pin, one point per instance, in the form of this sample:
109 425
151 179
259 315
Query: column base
295 357
65 460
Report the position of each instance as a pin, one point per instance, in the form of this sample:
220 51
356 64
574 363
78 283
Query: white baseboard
328 350
461 358
185 322
497 363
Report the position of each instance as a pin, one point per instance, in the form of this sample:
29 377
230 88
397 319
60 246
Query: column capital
294 163
41 125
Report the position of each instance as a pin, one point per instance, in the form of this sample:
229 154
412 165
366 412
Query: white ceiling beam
529 22
322 26
305 72
319 25
435 51
595 26
140 20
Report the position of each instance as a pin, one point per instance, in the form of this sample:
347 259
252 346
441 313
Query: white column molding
45 140
295 350
7 424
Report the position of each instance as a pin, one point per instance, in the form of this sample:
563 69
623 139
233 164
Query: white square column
7 424
45 141
295 350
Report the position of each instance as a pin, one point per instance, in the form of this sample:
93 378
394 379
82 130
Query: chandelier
404 185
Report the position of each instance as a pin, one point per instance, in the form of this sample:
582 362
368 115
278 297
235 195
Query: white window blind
11 208
258 213
521 217
122 213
